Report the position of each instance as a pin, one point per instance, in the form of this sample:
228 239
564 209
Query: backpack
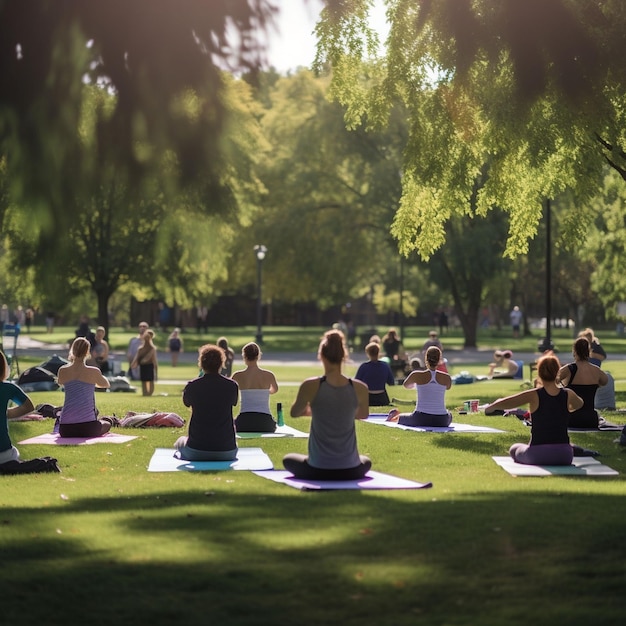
37 379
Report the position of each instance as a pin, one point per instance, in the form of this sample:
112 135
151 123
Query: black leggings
298 465
94 428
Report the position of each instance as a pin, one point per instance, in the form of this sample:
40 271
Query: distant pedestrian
227 370
175 346
443 322
29 317
516 320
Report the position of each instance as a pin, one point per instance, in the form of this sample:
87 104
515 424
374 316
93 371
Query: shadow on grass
221 557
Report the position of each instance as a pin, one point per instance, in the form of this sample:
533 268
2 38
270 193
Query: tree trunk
103 310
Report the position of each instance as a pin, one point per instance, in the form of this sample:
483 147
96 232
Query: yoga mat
581 466
372 480
163 460
281 431
380 418
56 440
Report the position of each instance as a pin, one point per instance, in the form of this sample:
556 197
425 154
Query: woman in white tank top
255 386
431 385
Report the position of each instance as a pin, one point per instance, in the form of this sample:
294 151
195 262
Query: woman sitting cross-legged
431 385
79 416
333 401
255 385
376 375
550 409
588 378
211 398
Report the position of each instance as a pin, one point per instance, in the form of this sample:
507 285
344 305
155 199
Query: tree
177 245
534 88
151 54
330 196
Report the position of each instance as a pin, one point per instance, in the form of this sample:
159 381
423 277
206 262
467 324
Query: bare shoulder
359 384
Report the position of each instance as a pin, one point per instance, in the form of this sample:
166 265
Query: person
588 378
84 330
516 320
79 416
227 370
10 462
146 361
550 409
334 402
376 375
255 385
50 322
133 346
211 398
503 365
394 353
202 317
175 346
5 316
100 351
443 322
597 354
431 385
20 316
433 340
10 392
29 317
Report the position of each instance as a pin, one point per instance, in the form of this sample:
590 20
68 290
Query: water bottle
280 420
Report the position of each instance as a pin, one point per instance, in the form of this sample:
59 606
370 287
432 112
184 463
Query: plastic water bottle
280 420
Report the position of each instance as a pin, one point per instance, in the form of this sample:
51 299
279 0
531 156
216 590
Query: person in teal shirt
9 392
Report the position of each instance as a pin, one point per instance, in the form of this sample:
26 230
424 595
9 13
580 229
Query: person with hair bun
333 401
211 398
503 365
256 385
588 378
431 385
79 416
550 410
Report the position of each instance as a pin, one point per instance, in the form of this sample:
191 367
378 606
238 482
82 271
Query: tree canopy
151 54
534 89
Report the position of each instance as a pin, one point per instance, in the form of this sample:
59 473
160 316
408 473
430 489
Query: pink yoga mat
372 480
56 440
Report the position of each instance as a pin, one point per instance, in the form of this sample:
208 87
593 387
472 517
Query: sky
294 45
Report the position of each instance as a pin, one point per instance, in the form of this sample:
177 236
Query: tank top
80 403
332 438
586 416
255 400
431 396
550 420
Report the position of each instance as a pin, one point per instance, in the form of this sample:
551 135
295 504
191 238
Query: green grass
112 543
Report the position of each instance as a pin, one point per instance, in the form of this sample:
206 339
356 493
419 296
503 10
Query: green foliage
542 112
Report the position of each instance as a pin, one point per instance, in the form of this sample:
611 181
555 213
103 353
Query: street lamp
260 252
546 343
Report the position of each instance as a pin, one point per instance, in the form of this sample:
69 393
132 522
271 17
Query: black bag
32 466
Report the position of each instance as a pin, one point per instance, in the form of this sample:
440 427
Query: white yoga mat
380 418
581 466
56 440
163 460
372 480
281 431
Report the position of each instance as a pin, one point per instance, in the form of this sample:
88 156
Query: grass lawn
107 542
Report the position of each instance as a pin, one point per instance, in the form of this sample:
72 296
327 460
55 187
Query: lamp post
546 343
260 252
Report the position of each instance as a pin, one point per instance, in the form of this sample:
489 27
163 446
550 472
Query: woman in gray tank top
333 401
